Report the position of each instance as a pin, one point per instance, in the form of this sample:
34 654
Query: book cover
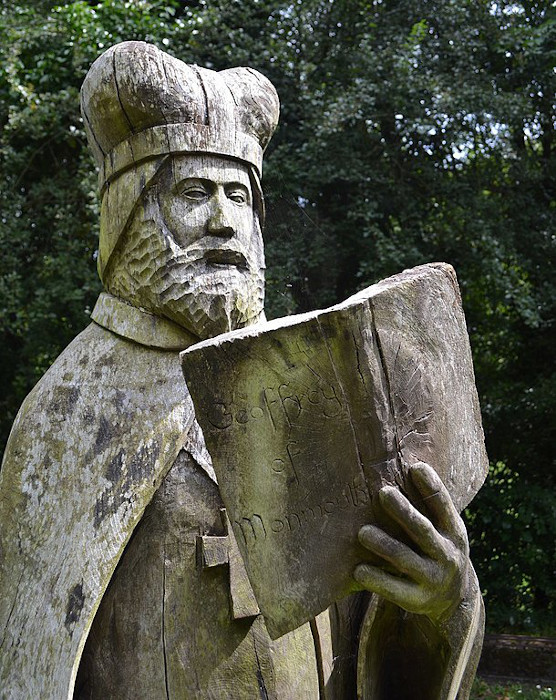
306 417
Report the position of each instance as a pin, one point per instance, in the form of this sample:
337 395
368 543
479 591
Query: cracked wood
307 417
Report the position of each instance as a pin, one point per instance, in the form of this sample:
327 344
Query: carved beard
152 271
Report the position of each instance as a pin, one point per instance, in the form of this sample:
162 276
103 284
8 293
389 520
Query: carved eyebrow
208 183
205 182
233 186
237 184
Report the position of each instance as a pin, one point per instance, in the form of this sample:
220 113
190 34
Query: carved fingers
421 568
419 529
402 558
439 504
403 593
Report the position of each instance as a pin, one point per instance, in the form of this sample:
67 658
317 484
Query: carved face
194 250
207 205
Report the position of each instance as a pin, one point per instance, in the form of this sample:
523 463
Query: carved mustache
224 256
213 256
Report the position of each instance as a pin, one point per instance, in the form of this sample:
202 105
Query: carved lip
225 257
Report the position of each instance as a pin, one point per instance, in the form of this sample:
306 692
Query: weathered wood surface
193 251
96 437
89 448
307 417
140 105
106 447
177 623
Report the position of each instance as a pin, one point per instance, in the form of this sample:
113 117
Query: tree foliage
411 131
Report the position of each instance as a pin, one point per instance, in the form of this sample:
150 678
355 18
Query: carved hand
428 577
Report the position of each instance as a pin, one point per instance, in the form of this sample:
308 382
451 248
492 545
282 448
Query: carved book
306 417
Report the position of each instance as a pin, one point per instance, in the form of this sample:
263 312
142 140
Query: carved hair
140 105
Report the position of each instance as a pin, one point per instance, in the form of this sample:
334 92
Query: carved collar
139 325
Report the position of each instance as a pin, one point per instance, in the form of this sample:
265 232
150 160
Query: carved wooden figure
120 575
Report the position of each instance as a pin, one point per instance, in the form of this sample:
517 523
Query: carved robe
105 456
89 448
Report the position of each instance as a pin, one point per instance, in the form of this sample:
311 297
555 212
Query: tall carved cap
138 103
141 105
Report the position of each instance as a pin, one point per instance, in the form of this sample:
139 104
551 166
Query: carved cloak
90 446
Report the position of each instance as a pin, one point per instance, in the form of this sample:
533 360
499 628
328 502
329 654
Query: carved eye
238 196
196 193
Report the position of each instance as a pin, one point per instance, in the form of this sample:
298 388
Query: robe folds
102 450
89 448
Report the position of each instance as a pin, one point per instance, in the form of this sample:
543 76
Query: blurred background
411 131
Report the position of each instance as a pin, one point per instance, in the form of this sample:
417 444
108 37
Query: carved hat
141 105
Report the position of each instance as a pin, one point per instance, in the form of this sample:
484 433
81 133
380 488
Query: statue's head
179 150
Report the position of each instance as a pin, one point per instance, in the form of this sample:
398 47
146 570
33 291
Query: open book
306 417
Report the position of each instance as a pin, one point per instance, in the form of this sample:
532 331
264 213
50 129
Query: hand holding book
318 426
427 572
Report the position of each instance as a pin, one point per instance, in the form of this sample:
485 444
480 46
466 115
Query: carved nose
219 223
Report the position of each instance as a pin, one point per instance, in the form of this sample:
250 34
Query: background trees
411 130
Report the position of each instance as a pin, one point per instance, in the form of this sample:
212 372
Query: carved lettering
354 495
291 449
219 416
222 416
293 520
252 528
332 406
314 397
290 402
359 493
242 416
345 497
283 404
269 395
309 512
278 465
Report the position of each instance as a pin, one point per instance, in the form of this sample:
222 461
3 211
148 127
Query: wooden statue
120 575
